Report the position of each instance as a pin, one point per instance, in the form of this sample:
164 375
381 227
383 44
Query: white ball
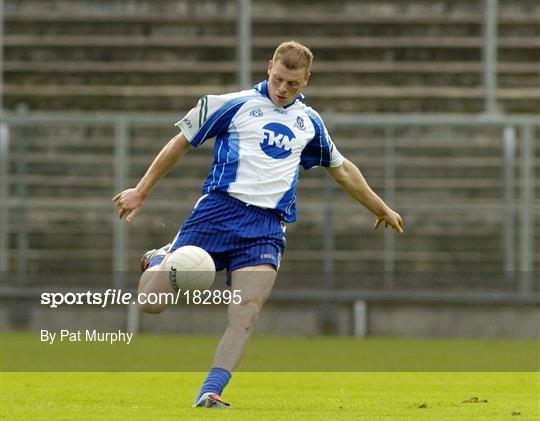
191 268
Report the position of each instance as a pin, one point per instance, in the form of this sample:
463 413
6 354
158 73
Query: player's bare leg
154 280
255 284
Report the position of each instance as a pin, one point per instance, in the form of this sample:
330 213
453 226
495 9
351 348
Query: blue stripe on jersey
219 121
226 159
287 203
229 170
317 151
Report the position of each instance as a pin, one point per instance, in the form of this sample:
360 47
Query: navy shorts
234 233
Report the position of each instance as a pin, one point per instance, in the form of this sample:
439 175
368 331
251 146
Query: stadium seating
382 56
442 176
374 56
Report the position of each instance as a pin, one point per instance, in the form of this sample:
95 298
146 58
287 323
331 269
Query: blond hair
293 55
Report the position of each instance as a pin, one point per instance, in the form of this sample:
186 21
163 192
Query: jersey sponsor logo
256 113
280 110
277 140
300 123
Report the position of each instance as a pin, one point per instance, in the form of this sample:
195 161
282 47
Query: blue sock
215 382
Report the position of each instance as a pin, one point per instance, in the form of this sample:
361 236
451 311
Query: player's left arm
349 177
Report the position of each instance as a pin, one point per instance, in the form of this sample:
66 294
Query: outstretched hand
129 202
391 219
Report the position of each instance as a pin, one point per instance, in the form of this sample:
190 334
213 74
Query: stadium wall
418 320
387 56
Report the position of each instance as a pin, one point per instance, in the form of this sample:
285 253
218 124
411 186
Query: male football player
262 137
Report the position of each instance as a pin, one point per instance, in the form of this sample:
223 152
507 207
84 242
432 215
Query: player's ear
306 79
269 67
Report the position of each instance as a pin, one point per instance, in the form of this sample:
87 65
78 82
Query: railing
527 207
518 262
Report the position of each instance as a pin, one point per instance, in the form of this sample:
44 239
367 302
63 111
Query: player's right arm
131 201
207 119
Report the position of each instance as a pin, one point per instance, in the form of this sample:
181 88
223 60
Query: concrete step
219 42
230 67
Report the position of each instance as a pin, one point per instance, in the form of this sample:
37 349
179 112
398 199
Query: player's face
284 85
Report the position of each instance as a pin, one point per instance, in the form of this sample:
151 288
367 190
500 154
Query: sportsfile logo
118 297
106 298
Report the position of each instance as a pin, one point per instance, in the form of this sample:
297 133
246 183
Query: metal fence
516 206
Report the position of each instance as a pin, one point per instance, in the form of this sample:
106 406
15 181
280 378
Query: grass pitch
273 396
279 395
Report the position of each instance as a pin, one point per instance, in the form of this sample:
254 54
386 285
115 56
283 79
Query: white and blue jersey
259 146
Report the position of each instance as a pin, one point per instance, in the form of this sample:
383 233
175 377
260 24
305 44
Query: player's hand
390 219
130 202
